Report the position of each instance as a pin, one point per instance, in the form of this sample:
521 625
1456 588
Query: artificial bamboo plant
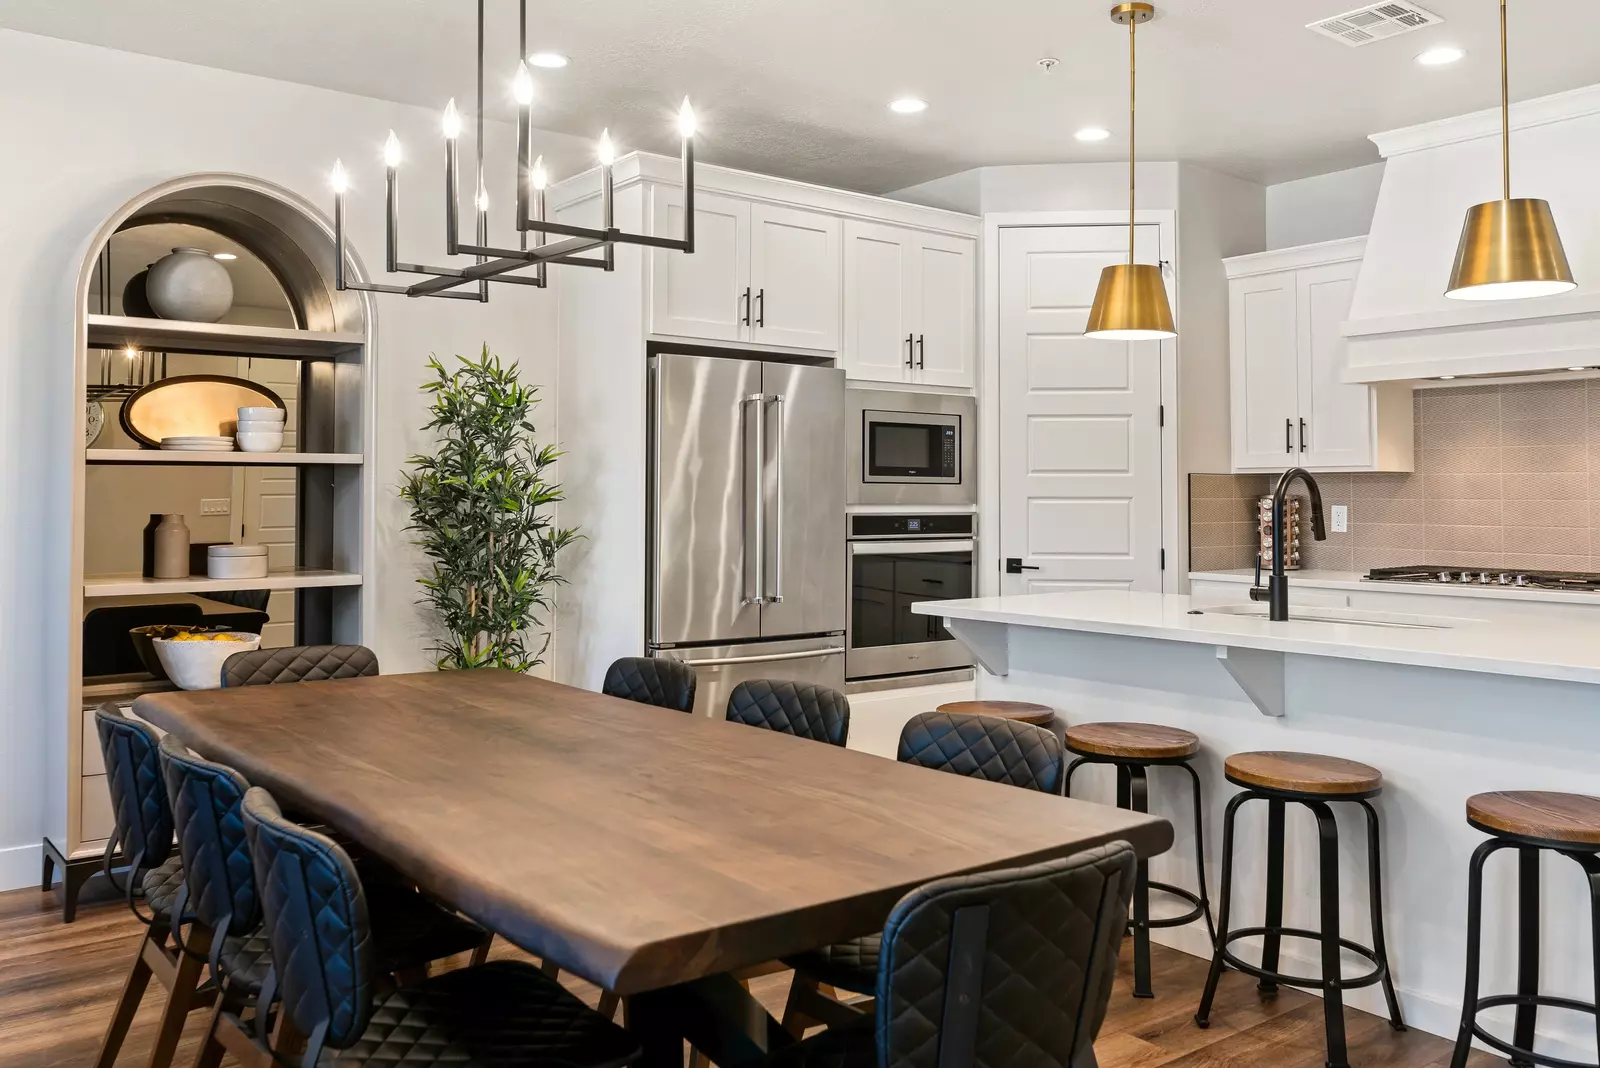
481 506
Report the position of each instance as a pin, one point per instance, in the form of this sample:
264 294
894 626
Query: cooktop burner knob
1466 576
1506 578
1483 577
1519 580
1444 576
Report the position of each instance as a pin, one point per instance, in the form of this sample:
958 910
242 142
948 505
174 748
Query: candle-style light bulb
522 85
686 120
606 152
482 199
130 352
539 178
452 120
391 151
339 179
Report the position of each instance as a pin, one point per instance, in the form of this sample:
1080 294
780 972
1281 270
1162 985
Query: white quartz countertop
1559 650
1315 579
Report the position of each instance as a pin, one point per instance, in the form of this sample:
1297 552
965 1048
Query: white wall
87 129
1325 207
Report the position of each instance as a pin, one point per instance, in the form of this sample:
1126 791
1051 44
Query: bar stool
1132 748
1016 711
1528 821
1313 781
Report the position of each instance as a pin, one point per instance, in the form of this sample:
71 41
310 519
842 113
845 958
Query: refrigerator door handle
777 522
766 658
758 403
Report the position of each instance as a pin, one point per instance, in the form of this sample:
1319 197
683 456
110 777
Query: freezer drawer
719 668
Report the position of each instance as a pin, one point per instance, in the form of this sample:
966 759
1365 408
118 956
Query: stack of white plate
261 429
197 443
236 561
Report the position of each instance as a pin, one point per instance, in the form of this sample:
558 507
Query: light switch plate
215 506
1339 517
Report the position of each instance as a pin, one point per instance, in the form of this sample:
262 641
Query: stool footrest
1547 1001
1190 896
1306 982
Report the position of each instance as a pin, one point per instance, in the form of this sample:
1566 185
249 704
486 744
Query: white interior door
264 497
1338 414
795 272
1080 434
703 295
1265 371
947 296
878 317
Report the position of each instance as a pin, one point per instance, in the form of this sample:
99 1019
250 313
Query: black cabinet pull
911 350
1288 435
1302 435
761 307
922 352
1015 566
744 299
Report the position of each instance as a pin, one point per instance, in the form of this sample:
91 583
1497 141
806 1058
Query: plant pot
198 665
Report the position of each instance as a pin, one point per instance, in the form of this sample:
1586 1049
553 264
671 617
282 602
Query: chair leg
181 998
1469 1000
1066 781
1333 988
211 1049
608 1004
1380 948
1202 1015
1527 951
550 968
1200 850
1271 941
1591 869
133 989
481 954
1139 801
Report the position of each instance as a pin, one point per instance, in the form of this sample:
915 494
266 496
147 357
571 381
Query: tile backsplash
1507 476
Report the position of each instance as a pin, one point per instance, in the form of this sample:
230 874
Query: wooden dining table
651 852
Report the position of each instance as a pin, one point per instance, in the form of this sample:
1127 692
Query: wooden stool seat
1303 773
1573 819
1020 711
1135 741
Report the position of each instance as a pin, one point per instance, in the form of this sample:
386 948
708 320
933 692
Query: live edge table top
635 846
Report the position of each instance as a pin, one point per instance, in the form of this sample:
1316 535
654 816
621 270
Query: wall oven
911 448
896 561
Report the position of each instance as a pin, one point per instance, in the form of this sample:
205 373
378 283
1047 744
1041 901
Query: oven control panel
933 525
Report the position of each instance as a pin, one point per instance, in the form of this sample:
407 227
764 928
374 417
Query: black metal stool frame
1527 999
1332 983
1133 792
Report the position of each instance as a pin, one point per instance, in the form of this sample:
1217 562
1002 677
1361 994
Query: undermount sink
1342 616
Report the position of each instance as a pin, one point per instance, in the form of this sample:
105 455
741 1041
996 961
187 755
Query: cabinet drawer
93 762
97 820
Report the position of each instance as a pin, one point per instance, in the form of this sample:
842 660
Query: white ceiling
799 87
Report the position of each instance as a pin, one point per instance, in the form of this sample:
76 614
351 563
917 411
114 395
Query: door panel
947 332
1265 372
266 498
804 487
1338 414
701 295
878 316
1080 437
702 499
795 272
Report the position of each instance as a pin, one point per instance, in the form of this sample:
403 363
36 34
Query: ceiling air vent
1375 22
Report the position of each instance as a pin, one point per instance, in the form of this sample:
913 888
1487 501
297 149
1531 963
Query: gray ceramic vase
189 285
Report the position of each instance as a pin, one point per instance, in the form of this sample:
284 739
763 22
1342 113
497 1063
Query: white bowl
277 415
198 665
260 441
236 567
258 426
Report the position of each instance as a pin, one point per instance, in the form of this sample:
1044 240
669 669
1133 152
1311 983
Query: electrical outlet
1339 515
215 506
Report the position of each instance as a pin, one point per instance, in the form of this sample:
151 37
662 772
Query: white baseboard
19 866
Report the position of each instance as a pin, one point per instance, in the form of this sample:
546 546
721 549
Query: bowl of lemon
194 659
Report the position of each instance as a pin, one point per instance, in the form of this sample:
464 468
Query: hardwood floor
58 983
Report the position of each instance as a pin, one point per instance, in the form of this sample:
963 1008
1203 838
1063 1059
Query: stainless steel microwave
911 448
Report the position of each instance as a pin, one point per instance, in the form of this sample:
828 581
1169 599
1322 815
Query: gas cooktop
1456 575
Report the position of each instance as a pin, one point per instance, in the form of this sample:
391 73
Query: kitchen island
1445 704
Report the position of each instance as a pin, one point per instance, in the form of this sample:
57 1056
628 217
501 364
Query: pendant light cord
1505 107
1133 140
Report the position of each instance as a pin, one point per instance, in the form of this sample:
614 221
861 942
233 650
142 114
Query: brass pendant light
1131 301
1509 248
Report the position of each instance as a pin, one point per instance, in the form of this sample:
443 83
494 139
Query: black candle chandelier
501 264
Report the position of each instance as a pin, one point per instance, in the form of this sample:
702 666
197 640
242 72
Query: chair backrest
796 708
298 663
984 747
316 925
1004 969
207 811
652 681
138 792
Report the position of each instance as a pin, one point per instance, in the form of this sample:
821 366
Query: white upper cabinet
1291 406
794 273
910 300
704 295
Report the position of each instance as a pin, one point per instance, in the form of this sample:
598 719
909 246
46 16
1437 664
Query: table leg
716 1015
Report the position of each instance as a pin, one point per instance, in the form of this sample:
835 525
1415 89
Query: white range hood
1401 324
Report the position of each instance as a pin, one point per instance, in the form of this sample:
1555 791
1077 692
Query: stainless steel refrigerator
746 510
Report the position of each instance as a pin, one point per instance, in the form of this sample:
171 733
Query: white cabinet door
879 320
1338 415
704 294
946 293
1265 371
795 273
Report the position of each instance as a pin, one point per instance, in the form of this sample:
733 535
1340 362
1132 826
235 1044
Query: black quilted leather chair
996 970
298 663
980 747
796 708
651 681
143 838
496 1014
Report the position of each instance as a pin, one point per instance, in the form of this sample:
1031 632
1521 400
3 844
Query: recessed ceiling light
1577 368
1446 378
1047 63
223 256
908 105
548 60
1092 133
1441 56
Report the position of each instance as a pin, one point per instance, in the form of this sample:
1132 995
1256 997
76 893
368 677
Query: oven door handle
910 546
